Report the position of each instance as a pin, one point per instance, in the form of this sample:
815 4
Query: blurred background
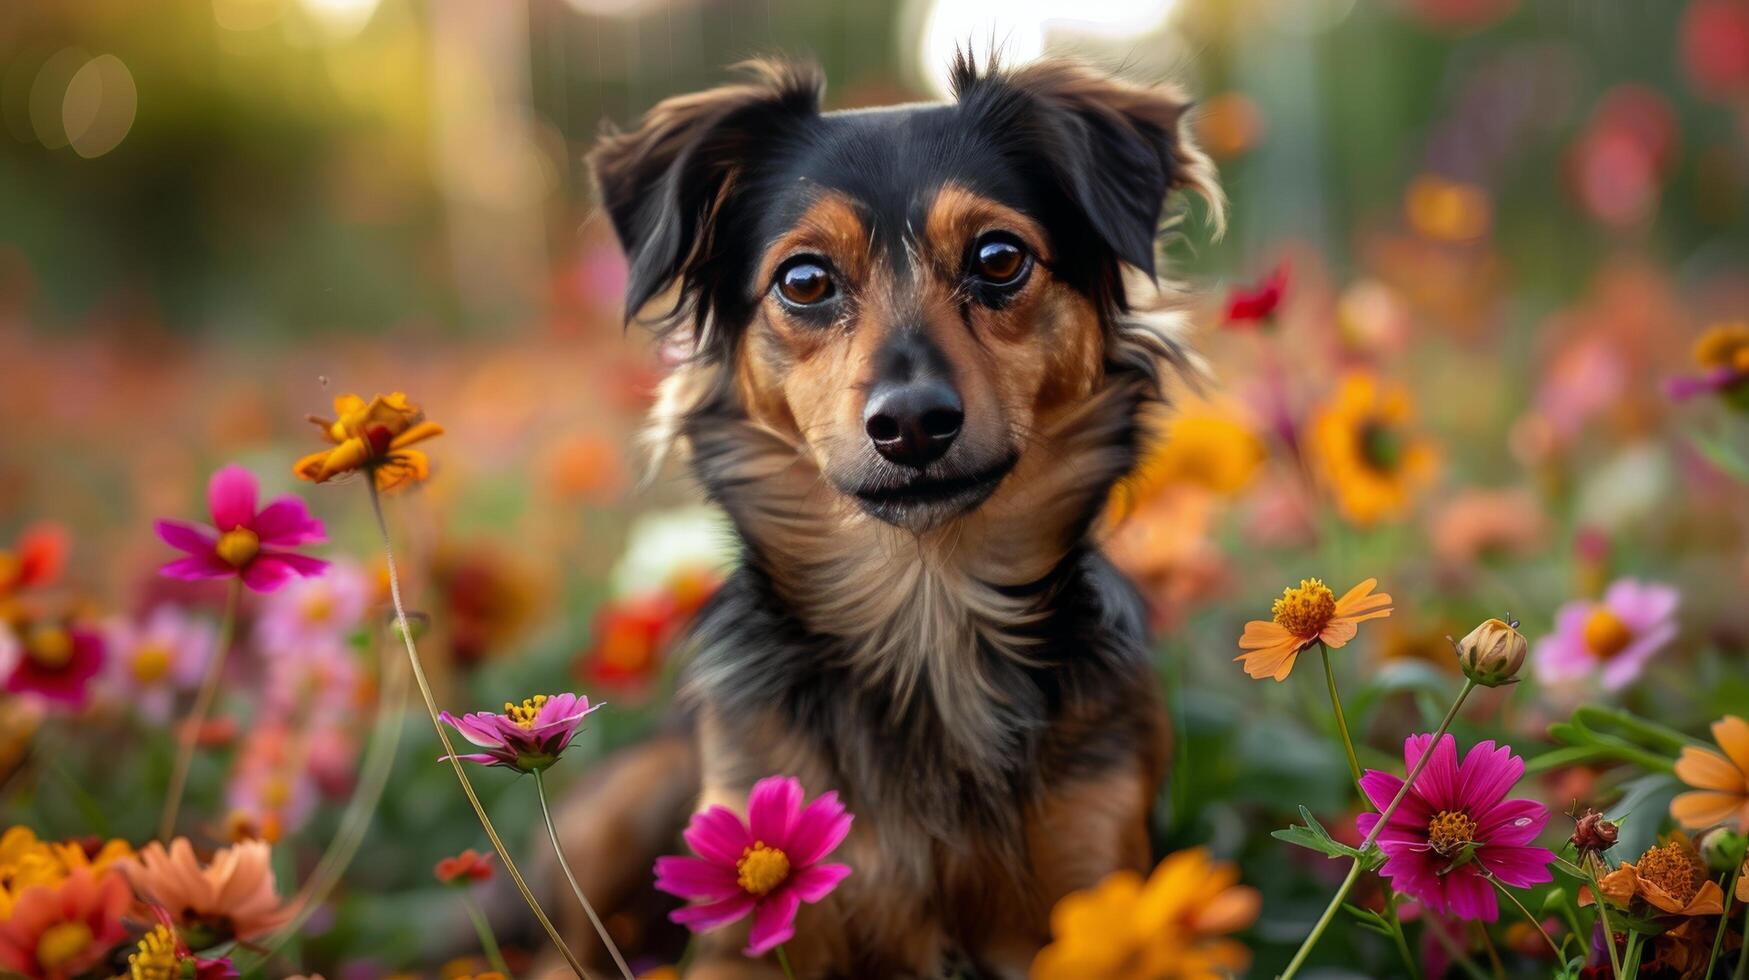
215 215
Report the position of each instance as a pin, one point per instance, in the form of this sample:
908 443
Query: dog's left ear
1116 150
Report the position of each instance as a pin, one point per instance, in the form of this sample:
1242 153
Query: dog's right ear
665 183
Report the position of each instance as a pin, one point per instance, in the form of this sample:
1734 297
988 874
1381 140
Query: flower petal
1486 775
1732 734
1275 662
701 918
774 922
1705 808
287 522
814 883
184 536
231 495
692 878
1520 867
1706 769
1514 822
717 834
267 574
771 809
819 829
196 567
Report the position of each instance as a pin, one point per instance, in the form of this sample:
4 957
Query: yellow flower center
1723 346
761 868
238 546
1450 831
525 713
1605 634
157 959
318 606
49 647
1305 611
61 944
1674 868
151 663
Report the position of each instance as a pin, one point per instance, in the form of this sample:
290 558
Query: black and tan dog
925 339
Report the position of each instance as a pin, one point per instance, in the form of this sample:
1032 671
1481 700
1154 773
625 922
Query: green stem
1336 900
1719 934
1649 732
540 789
488 939
1742 954
783 961
1534 922
1341 719
1603 917
203 704
1631 962
1401 940
455 762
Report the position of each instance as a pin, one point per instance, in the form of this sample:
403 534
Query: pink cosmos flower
244 541
51 660
1615 637
527 737
152 660
767 866
314 611
1456 828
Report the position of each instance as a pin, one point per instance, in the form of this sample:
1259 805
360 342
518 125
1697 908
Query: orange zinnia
372 436
1304 616
1720 780
1670 877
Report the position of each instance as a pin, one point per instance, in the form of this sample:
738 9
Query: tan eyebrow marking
957 216
832 227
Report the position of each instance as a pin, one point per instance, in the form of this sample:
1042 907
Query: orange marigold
374 437
1670 877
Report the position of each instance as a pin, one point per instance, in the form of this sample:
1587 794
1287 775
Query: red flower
51 659
36 560
466 868
1257 304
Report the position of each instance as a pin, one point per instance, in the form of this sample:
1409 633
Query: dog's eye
804 281
999 260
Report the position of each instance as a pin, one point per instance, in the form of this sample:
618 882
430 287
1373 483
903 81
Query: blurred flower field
1466 494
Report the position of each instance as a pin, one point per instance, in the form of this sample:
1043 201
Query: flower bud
1493 652
1722 849
1594 834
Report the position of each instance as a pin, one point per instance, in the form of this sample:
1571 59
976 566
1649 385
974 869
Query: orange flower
372 436
466 868
1366 453
1721 781
1670 877
64 929
230 897
1173 926
1304 616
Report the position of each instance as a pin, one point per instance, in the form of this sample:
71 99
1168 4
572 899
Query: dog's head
912 299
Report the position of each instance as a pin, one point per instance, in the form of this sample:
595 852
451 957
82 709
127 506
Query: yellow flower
1671 877
1303 616
1173 926
1720 779
372 436
1365 453
1202 446
26 861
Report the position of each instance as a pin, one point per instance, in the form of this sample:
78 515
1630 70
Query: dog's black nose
914 422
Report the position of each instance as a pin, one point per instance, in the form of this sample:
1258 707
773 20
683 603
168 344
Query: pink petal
1626 666
1487 775
695 879
814 883
774 921
700 918
266 574
1470 896
196 567
717 834
1641 604
1520 867
771 808
305 565
818 829
482 758
1437 783
231 496
184 536
480 729
1381 788
1512 822
286 522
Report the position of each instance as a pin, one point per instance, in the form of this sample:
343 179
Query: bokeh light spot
98 110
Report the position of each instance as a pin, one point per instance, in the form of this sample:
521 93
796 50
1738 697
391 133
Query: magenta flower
243 541
1613 638
51 660
527 737
1456 828
767 866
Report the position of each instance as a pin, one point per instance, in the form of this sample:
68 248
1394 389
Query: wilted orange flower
1173 926
1365 452
372 436
1303 616
230 897
1670 877
1720 779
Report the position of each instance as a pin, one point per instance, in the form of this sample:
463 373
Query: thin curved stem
783 961
376 506
488 939
1742 954
203 704
1535 923
1341 720
540 789
1719 934
1402 941
1603 917
1414 773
